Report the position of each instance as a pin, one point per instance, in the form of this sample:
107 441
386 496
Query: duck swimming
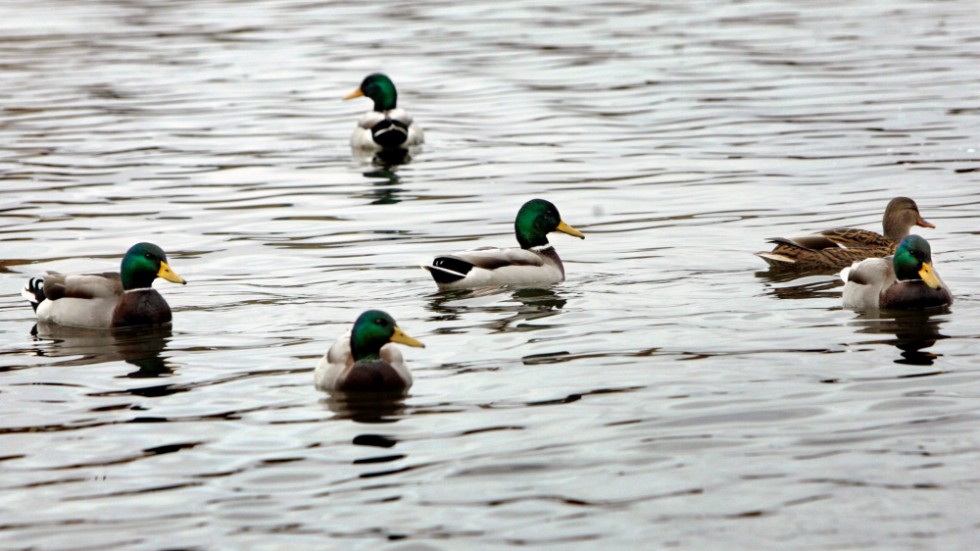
107 300
906 281
535 262
838 248
364 360
385 127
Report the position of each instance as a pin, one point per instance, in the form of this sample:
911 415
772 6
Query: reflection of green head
141 265
372 330
910 257
379 88
536 219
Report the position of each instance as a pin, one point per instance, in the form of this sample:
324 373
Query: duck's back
386 130
73 300
856 237
84 286
825 251
864 282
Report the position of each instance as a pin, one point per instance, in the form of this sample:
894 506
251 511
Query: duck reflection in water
385 159
385 186
803 286
914 331
139 346
529 304
367 407
371 409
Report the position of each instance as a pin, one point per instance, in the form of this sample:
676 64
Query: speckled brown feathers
803 254
834 249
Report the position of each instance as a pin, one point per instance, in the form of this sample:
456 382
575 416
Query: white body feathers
874 274
492 267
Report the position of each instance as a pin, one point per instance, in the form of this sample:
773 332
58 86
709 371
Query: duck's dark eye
381 322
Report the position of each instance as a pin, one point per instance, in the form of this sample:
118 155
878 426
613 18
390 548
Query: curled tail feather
34 291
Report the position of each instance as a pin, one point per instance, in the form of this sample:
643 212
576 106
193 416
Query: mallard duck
906 281
837 248
387 126
106 300
363 360
536 262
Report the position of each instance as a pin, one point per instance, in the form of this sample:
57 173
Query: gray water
670 394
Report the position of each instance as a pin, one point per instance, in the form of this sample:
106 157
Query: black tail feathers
390 133
446 269
34 291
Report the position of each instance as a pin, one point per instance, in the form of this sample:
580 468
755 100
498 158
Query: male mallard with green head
107 300
837 248
536 262
364 360
386 126
906 281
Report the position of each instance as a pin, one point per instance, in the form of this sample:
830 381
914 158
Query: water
669 394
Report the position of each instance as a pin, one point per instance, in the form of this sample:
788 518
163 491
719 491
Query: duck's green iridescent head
536 219
379 88
143 263
913 260
374 329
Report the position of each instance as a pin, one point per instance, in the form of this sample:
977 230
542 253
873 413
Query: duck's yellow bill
928 276
402 338
355 94
565 228
166 273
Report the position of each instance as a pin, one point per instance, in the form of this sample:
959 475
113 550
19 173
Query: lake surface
670 394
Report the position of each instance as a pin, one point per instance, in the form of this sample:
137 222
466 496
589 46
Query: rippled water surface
670 394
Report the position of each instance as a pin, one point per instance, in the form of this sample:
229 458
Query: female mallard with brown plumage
108 300
363 360
837 248
906 281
